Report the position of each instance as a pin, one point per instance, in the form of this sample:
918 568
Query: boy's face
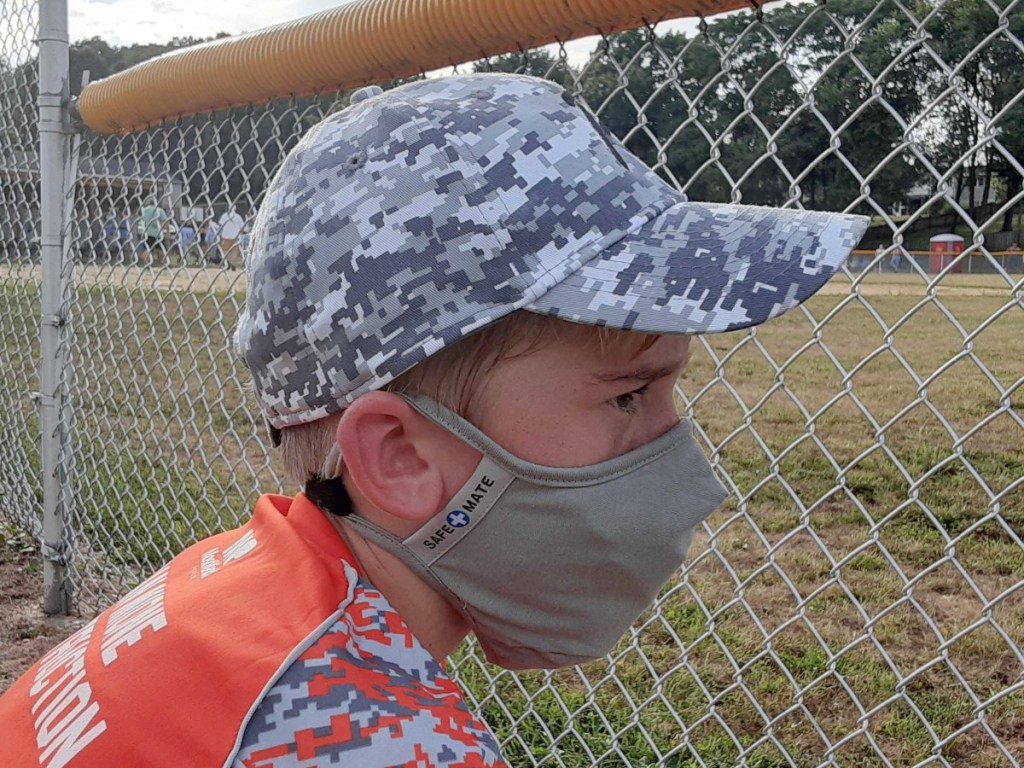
570 403
567 403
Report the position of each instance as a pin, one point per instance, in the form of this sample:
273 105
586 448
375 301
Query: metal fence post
53 149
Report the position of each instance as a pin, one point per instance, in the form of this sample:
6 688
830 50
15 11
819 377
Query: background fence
20 479
858 601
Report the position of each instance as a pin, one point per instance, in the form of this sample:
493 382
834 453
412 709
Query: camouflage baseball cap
414 217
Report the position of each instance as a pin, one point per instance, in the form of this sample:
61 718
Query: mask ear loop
332 463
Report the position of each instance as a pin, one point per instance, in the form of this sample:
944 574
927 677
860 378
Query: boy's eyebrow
639 373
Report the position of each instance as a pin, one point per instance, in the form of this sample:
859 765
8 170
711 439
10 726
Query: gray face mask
552 565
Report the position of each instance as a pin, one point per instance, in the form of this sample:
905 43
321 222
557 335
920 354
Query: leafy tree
18 95
839 117
988 96
748 130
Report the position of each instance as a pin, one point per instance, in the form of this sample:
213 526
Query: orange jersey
257 647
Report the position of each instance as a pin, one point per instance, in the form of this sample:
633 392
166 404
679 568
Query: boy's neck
433 620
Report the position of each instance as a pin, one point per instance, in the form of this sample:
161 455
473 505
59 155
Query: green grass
821 589
20 492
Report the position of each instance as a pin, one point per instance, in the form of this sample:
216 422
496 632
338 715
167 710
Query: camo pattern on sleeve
366 694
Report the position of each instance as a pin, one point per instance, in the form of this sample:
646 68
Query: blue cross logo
458 519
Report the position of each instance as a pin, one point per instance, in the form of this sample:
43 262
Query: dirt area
192 279
25 632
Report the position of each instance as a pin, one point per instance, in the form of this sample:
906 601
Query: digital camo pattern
366 694
414 217
692 268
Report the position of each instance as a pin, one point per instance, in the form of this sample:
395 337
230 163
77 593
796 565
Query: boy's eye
627 401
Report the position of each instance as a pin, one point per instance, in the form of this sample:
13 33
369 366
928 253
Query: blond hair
452 377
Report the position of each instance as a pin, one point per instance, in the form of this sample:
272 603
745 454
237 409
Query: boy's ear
391 454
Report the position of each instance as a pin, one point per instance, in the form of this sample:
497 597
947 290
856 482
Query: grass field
860 596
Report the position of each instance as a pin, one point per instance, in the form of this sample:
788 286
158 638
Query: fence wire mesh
860 599
20 486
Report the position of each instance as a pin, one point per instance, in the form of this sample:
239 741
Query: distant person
110 230
91 241
124 237
111 239
211 249
154 222
31 235
230 226
896 260
243 240
100 239
187 241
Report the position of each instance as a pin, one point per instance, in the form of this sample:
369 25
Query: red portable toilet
943 249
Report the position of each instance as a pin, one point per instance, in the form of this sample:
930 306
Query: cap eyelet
355 162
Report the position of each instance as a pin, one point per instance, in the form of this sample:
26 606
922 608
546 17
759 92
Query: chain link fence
859 600
20 482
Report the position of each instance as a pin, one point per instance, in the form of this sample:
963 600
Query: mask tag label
462 513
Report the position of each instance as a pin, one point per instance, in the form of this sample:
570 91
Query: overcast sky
123 22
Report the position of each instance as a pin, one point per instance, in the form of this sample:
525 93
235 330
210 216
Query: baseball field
860 596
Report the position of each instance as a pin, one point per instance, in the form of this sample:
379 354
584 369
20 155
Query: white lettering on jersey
66 716
213 560
142 609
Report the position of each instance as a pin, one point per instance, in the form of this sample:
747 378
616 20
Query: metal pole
53 148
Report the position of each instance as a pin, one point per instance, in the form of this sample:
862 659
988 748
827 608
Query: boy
468 307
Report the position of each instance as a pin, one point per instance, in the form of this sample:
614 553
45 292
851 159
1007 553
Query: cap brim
707 268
